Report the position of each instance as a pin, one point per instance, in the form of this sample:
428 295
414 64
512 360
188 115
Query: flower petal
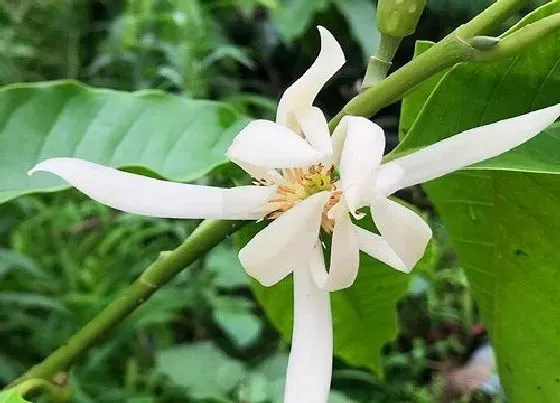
309 372
387 179
360 157
269 175
472 146
266 144
378 248
287 241
302 93
156 198
345 256
315 128
404 230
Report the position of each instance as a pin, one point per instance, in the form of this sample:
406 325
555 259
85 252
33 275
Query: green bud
483 42
399 17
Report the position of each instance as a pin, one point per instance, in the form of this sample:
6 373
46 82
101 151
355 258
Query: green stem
379 65
208 234
483 23
32 386
521 39
453 49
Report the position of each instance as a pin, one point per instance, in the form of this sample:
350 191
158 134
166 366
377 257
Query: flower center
317 182
300 184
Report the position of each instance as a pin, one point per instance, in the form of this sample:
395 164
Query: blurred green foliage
202 338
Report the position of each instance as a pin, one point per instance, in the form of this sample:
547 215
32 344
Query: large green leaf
502 216
364 315
414 102
177 138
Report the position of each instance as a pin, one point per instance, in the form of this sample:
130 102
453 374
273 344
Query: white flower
293 161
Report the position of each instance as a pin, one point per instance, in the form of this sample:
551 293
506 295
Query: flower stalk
379 65
395 20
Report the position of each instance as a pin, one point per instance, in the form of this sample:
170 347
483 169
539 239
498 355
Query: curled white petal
286 242
315 129
266 144
360 157
302 93
345 256
378 248
156 198
472 146
403 230
310 364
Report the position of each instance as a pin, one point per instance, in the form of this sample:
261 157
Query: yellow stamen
302 183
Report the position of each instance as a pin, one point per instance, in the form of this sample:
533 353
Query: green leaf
502 216
273 371
12 396
162 308
338 397
223 262
360 15
29 300
9 368
414 102
177 138
234 316
204 370
10 260
364 315
274 367
292 17
254 389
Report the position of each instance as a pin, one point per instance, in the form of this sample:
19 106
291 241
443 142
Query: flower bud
399 17
483 42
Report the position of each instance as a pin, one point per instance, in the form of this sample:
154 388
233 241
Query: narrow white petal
404 230
361 155
156 198
302 93
266 144
472 146
377 247
309 372
287 241
345 256
315 128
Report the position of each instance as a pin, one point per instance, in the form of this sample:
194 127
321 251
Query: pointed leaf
179 139
503 217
